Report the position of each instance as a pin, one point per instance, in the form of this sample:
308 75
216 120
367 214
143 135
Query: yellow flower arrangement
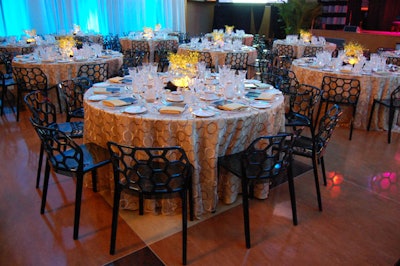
305 35
218 36
66 44
183 66
353 51
229 29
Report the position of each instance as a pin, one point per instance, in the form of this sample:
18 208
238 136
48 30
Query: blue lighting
93 16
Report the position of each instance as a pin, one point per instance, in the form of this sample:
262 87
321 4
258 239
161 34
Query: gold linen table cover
247 39
203 139
299 48
373 86
218 54
169 43
60 70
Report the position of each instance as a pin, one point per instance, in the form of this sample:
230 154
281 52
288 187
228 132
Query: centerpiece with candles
31 36
183 68
305 36
229 29
353 52
218 38
148 33
66 45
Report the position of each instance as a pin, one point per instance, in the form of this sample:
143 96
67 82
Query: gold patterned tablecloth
373 86
61 70
203 139
218 55
299 48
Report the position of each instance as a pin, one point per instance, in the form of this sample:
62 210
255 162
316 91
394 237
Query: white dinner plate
203 113
135 110
97 97
260 105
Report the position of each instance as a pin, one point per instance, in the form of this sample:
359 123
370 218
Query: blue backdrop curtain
93 16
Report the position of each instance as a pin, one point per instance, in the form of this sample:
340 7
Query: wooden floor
358 226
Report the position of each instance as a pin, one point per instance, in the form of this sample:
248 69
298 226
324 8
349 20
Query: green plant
298 14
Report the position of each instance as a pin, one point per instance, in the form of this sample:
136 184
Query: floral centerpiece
353 52
148 33
305 36
76 30
218 38
183 67
229 29
31 34
66 45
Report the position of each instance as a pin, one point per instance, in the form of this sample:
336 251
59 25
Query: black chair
95 72
206 57
301 107
31 79
341 91
44 114
392 103
142 46
68 158
72 92
311 51
130 59
393 60
6 81
264 159
237 61
314 148
151 172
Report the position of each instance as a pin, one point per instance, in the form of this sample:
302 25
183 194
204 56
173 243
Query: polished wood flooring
358 226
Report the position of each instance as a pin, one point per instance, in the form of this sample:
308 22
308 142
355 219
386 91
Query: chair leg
184 226
45 186
59 99
245 204
3 91
370 116
191 202
94 180
391 118
19 95
352 122
114 224
141 203
315 167
78 198
39 170
323 169
292 195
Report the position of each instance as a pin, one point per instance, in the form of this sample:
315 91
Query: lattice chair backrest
30 79
95 72
150 170
340 90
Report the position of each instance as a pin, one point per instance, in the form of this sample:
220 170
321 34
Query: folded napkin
171 110
119 102
105 90
232 106
116 79
267 96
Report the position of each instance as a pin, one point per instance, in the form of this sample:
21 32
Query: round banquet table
218 54
169 43
373 86
247 39
203 139
299 47
60 70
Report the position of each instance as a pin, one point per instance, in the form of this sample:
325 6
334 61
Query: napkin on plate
119 102
171 110
232 106
105 90
267 96
116 79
